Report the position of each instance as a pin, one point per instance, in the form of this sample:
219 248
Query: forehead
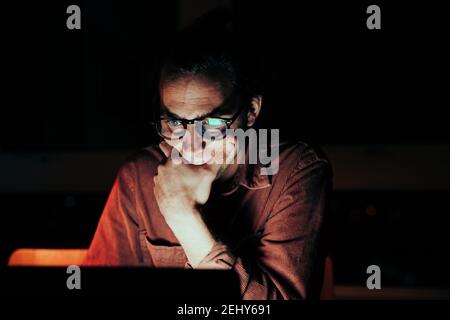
190 97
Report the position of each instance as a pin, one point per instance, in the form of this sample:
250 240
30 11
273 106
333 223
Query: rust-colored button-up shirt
268 228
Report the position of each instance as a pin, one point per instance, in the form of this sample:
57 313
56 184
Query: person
202 214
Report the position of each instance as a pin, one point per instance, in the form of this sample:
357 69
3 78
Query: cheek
177 144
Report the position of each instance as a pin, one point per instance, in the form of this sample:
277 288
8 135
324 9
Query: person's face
196 97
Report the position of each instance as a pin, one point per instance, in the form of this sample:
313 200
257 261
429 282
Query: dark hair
211 47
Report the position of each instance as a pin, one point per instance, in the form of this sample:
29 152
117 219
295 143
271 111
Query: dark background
77 102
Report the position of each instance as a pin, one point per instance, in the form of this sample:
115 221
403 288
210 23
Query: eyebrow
217 111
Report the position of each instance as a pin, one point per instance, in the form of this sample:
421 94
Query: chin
196 159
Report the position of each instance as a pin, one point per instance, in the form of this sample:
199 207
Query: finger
231 151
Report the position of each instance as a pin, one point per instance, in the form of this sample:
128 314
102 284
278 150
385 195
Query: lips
207 155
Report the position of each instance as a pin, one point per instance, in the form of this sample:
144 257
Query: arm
193 234
179 191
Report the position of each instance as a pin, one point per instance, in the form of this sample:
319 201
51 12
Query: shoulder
142 162
298 156
301 154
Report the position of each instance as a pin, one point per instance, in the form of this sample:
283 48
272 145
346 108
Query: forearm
193 234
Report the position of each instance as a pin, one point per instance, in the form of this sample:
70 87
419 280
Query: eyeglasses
210 128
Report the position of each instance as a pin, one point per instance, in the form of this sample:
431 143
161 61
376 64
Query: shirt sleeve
219 257
288 248
116 240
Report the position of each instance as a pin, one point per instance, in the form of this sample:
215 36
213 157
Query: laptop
119 282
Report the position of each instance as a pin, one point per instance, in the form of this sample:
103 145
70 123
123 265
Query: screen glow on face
214 122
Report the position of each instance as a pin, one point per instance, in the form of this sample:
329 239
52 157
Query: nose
192 140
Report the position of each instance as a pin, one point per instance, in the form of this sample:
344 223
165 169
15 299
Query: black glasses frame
185 122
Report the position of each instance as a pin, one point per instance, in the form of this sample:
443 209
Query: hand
180 187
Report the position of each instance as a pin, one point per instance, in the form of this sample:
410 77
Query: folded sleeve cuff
219 257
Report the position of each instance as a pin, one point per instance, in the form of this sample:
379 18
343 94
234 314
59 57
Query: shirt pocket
161 256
